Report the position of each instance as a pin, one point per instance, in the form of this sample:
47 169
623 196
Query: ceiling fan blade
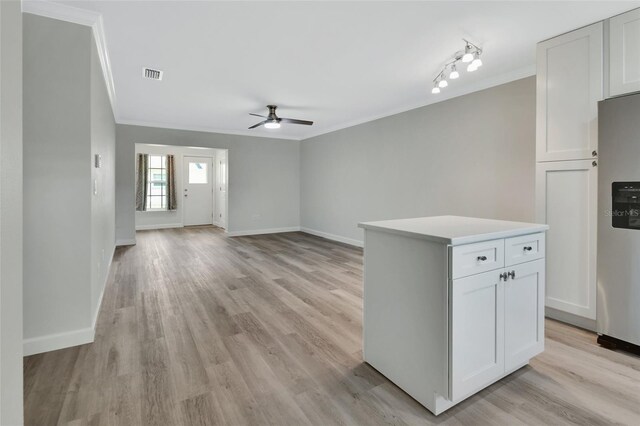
259 124
295 121
258 115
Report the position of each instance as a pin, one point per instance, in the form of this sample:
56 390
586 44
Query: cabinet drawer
470 259
524 248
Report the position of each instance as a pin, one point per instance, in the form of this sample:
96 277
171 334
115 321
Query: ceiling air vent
152 74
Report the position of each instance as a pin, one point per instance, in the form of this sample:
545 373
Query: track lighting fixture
470 55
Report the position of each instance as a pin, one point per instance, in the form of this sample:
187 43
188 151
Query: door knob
511 274
503 276
594 153
594 163
185 195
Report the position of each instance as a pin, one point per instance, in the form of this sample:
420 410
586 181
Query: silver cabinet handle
512 274
482 258
527 248
503 276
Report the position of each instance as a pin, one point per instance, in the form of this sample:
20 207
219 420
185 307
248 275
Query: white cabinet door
524 313
569 86
477 332
624 53
566 200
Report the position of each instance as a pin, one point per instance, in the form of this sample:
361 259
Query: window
198 173
157 178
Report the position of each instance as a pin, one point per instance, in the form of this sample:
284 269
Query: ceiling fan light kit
273 121
470 55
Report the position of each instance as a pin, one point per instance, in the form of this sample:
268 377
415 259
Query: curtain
142 171
172 201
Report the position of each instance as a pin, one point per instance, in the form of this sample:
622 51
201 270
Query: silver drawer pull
527 248
482 258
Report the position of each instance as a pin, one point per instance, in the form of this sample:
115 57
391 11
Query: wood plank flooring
200 329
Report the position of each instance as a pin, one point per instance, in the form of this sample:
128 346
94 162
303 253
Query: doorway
198 190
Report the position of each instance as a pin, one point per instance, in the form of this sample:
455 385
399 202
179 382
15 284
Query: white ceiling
337 63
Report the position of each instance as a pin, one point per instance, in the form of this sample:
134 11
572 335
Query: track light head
468 56
454 72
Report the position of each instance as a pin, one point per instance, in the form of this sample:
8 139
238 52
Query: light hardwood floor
199 329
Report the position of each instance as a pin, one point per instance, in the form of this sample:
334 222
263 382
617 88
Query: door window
198 173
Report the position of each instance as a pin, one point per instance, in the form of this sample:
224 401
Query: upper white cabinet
624 53
569 86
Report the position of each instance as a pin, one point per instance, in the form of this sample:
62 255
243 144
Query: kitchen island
452 304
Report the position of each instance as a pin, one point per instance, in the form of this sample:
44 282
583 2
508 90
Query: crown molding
203 129
62 12
483 84
51 9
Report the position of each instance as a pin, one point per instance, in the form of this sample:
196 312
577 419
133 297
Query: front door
198 191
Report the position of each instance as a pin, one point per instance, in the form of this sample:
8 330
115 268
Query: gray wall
264 177
473 156
57 207
10 213
67 118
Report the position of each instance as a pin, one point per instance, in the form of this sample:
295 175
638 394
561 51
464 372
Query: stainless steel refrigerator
618 299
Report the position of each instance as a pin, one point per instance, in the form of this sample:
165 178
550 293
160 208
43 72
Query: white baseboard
333 237
104 287
160 226
52 342
262 231
126 242
586 323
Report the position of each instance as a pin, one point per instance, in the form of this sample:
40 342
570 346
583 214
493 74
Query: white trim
446 94
430 99
52 342
59 11
338 238
569 318
204 129
79 16
262 231
93 19
159 226
126 242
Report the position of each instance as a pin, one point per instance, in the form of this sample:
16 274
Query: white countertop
454 230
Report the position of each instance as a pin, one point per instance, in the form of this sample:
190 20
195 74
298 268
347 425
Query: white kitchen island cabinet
452 304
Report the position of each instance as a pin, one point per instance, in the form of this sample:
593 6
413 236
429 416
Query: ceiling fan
273 121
